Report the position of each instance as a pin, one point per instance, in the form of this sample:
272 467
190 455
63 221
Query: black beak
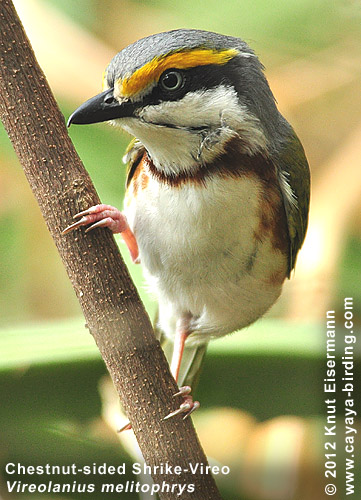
101 108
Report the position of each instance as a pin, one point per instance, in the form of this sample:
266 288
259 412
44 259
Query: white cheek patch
196 109
194 129
215 109
200 108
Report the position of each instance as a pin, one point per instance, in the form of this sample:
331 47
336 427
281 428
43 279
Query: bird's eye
171 80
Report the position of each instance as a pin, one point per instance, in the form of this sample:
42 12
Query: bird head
184 94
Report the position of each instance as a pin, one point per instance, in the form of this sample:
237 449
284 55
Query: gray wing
294 178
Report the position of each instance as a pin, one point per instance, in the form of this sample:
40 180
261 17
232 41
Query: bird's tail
192 359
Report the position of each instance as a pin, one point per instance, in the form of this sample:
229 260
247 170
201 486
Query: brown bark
114 313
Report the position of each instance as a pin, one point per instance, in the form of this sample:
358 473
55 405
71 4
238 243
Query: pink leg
107 216
188 406
179 342
182 333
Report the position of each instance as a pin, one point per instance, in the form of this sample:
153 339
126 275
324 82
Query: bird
217 190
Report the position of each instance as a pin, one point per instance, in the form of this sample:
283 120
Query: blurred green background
271 374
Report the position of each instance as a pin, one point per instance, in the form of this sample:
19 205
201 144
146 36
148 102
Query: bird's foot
99 216
188 407
106 216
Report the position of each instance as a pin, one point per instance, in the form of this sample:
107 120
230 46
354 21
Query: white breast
199 253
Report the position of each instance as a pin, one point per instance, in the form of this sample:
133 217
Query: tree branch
114 313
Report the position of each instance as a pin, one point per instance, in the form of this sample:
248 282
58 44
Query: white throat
181 135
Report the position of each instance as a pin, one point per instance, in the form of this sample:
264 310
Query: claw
183 391
100 223
185 407
188 407
125 427
196 405
75 225
106 216
88 211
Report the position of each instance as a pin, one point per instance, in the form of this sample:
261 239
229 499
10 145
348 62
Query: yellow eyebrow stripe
151 71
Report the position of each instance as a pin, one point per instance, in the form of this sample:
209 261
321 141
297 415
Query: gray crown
140 52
